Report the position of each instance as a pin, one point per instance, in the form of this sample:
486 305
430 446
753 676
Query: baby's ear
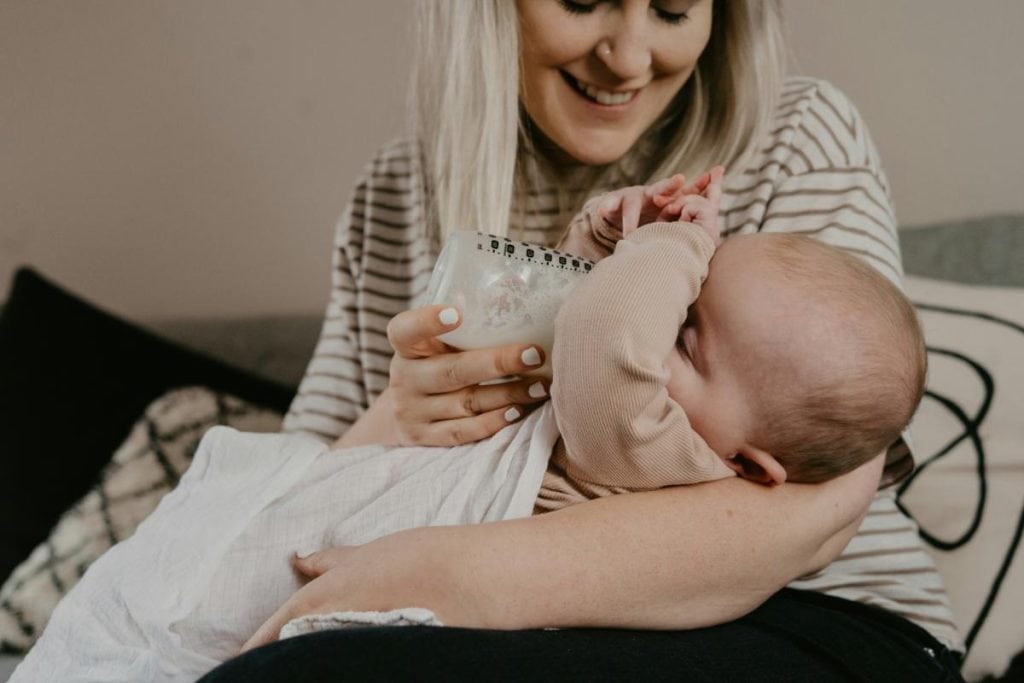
756 465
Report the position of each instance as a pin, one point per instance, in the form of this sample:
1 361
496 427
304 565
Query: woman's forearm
677 558
684 557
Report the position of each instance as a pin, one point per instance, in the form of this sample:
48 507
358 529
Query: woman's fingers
269 631
477 400
327 591
413 333
468 429
454 371
312 566
447 406
303 601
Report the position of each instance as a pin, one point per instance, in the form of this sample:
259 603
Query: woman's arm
682 557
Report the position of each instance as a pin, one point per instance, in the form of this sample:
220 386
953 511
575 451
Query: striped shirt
816 173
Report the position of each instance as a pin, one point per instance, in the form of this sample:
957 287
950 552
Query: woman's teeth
603 96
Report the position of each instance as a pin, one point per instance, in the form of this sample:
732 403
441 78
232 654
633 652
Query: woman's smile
598 95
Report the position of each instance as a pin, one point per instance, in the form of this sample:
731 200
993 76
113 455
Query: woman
526 109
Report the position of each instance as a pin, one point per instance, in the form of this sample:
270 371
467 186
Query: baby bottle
509 292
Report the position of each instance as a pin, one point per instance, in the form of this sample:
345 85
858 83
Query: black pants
794 636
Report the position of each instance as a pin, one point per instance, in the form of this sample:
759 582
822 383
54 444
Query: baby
796 362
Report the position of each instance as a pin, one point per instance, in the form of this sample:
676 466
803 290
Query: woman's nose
627 51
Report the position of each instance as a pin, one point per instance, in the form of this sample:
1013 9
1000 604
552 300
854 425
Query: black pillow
73 380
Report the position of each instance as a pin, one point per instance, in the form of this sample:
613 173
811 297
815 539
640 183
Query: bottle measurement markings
532 253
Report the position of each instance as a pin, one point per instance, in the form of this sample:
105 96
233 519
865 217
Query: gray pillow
981 251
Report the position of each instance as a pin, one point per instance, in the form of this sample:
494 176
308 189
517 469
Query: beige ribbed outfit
620 429
816 173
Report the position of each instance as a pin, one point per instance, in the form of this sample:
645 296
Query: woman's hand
391 572
434 397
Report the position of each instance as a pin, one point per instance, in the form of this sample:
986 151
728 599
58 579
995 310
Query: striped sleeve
381 263
833 187
331 395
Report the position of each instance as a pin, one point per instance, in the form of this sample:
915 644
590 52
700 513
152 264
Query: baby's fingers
632 205
609 209
707 183
686 206
668 186
699 185
714 188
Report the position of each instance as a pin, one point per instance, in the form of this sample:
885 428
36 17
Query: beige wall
190 156
170 157
940 85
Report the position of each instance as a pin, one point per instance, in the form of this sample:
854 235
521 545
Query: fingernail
448 316
536 390
530 356
303 556
511 414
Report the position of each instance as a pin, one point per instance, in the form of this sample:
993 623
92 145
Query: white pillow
146 466
983 326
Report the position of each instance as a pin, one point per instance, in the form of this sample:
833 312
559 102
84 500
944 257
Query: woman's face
597 73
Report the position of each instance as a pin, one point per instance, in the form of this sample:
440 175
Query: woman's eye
577 7
661 10
667 15
671 17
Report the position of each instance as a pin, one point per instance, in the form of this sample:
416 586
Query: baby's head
798 361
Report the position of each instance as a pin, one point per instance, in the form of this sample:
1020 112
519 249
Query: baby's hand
607 218
610 217
697 203
629 208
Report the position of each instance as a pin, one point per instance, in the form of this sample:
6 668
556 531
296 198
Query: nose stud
604 49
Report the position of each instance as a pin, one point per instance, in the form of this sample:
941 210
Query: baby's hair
837 421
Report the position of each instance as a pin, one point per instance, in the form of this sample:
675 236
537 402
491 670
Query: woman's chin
596 152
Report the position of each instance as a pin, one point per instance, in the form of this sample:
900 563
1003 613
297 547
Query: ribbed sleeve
612 337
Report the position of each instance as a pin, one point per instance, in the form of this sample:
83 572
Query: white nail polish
536 390
530 356
511 414
448 316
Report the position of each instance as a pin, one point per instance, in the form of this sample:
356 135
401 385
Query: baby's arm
612 337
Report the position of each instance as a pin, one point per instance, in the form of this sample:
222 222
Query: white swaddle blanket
211 563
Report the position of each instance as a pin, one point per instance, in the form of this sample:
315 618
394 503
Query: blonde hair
837 421
465 106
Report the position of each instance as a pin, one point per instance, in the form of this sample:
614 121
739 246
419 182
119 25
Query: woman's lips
599 96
